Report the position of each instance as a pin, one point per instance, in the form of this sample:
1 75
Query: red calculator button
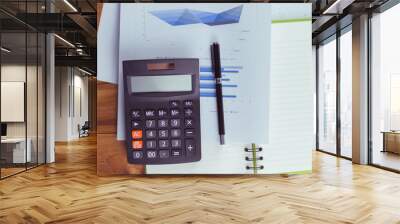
136 134
137 145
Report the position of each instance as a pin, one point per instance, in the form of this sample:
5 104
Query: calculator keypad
164 133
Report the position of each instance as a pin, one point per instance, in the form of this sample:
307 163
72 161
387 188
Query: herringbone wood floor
70 192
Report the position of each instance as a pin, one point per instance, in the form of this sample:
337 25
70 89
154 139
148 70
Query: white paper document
170 31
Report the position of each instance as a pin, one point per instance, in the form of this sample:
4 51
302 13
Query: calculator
162 105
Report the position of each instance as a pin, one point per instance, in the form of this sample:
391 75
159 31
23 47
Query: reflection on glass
31 101
327 97
13 85
22 90
386 89
395 102
41 98
346 94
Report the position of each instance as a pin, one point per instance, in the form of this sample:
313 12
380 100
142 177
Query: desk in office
16 154
391 141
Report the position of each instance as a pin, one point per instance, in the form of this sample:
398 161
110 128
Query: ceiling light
338 6
70 5
65 41
5 50
84 71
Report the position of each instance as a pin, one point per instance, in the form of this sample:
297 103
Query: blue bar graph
230 71
210 78
207 88
203 94
224 69
212 86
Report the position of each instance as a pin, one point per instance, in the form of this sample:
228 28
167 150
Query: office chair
84 130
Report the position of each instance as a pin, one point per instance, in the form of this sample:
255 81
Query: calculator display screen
162 83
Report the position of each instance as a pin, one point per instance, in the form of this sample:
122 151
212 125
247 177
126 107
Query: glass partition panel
14 154
327 97
385 82
346 94
22 77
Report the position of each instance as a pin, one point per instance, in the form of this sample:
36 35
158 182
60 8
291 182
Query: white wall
17 73
14 73
62 82
80 111
71 94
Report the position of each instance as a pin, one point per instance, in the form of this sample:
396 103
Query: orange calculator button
136 134
137 144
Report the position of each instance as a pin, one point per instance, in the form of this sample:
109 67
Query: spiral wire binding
251 159
254 158
255 168
251 150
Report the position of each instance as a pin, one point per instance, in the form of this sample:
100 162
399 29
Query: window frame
334 37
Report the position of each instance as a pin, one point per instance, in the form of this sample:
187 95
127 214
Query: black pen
216 62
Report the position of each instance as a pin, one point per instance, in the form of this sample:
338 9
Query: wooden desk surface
391 132
13 140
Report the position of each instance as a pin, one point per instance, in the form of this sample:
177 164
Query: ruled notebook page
292 92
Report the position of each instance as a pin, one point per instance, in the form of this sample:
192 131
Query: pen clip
216 60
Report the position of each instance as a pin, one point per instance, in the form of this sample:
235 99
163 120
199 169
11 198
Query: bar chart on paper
229 81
